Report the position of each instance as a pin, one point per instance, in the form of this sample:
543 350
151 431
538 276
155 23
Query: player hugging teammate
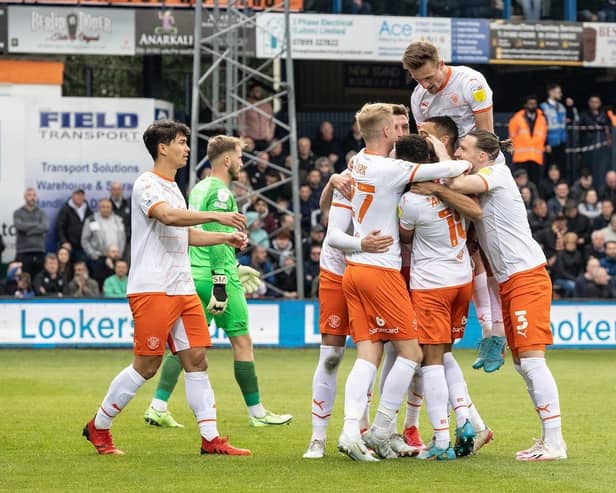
421 320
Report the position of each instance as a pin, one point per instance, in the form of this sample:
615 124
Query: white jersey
332 259
464 93
503 232
439 257
159 253
378 184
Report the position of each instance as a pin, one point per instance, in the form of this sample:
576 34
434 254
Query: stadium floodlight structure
220 39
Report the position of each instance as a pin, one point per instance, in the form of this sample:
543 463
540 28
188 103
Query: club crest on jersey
454 99
223 195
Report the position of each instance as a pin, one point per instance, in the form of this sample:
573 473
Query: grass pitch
47 396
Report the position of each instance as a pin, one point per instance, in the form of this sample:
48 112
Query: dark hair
552 85
530 97
418 53
413 148
400 109
162 132
445 125
489 142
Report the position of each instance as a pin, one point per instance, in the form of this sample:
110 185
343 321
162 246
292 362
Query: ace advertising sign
71 30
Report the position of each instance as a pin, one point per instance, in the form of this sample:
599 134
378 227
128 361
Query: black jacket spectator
327 145
578 224
47 284
569 265
547 185
311 268
69 223
539 218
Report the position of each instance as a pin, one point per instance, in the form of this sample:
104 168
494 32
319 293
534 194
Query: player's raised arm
465 205
435 171
340 182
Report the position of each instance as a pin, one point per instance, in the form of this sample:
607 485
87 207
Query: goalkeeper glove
218 298
249 277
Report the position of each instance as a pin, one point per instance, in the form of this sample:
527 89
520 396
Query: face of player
401 125
235 163
176 152
389 134
430 76
468 151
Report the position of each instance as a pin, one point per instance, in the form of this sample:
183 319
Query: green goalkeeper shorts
234 320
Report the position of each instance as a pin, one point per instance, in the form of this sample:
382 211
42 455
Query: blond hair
419 53
221 144
373 117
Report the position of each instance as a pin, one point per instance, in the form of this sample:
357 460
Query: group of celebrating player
363 292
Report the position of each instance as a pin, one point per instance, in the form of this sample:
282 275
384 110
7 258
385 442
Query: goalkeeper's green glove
218 298
249 277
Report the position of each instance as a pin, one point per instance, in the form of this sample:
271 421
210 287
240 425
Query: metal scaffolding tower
223 68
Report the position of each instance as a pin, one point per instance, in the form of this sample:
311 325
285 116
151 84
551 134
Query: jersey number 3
456 227
368 190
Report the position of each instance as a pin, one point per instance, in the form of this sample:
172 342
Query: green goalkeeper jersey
212 194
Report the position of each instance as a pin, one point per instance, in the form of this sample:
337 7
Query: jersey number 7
368 190
456 227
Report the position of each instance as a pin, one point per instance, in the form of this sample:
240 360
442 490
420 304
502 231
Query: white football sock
200 397
121 390
546 398
394 389
498 328
355 396
256 411
324 389
364 421
529 384
456 388
481 300
415 399
435 388
158 405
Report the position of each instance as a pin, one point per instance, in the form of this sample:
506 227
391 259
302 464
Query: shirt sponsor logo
479 95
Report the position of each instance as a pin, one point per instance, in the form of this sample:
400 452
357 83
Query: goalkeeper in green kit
220 284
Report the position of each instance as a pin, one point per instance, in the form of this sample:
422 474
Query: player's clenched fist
237 240
374 242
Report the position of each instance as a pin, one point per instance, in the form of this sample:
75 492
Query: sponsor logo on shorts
153 343
334 321
457 330
522 323
463 320
380 322
383 330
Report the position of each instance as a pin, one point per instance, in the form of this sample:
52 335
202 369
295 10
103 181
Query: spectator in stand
359 7
307 205
286 279
521 179
241 190
561 195
258 170
24 286
311 268
121 207
316 237
589 206
325 168
608 191
353 141
305 157
259 260
603 11
527 197
604 218
111 257
597 159
102 230
65 268
327 145
549 183
596 247
581 185
256 234
115 285
527 131
287 222
276 153
577 223
313 180
31 225
9 284
69 224
82 286
568 266
592 264
556 118
49 282
273 179
552 239
539 218
1 248
282 247
609 232
609 261
600 286
268 219
257 123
